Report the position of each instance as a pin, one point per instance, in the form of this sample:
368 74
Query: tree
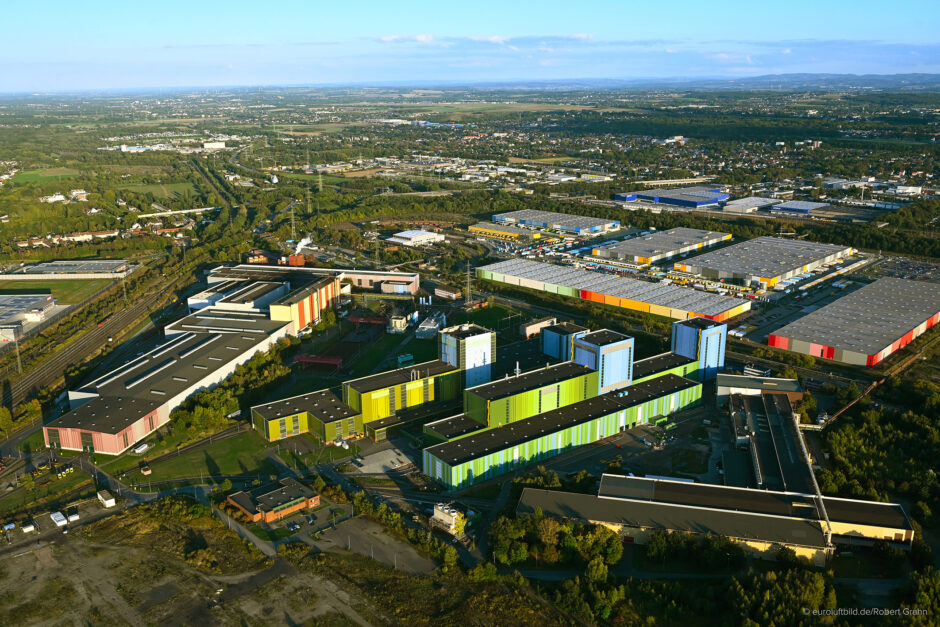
450 558
6 420
596 570
226 485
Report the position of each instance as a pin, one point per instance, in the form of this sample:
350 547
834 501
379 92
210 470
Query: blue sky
101 44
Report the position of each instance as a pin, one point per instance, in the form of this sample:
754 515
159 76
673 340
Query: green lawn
47 174
67 291
242 454
270 535
162 190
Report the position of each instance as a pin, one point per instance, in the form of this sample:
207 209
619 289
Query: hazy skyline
119 45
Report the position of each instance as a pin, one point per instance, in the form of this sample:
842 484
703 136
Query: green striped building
490 452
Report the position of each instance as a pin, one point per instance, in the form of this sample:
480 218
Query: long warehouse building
661 245
117 410
866 326
575 225
486 453
764 261
659 299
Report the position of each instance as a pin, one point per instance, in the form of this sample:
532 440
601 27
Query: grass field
66 291
47 174
163 190
239 455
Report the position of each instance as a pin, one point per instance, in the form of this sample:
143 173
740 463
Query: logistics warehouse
764 261
659 299
866 326
656 247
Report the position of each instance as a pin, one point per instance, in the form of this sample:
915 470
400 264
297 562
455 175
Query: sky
110 44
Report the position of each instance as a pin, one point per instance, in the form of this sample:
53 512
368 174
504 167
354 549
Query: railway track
47 372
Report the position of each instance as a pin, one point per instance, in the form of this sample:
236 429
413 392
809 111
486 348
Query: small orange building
272 502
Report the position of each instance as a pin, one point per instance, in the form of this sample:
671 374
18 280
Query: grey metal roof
869 319
766 257
653 515
551 218
662 244
665 295
203 343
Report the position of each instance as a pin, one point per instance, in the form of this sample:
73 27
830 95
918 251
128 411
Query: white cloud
786 51
493 39
422 38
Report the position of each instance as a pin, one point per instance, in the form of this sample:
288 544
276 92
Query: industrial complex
244 310
764 261
563 222
866 326
514 421
656 298
661 245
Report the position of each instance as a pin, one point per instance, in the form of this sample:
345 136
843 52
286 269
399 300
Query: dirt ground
77 581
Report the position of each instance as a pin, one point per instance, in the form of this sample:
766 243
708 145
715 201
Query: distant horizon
110 45
501 84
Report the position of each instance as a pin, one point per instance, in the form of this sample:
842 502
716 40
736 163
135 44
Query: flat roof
662 294
565 328
770 384
323 405
400 375
661 244
531 380
659 363
652 515
15 305
700 323
551 218
506 436
463 331
79 266
251 292
799 205
769 502
416 233
765 257
455 426
205 341
603 337
297 295
869 319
